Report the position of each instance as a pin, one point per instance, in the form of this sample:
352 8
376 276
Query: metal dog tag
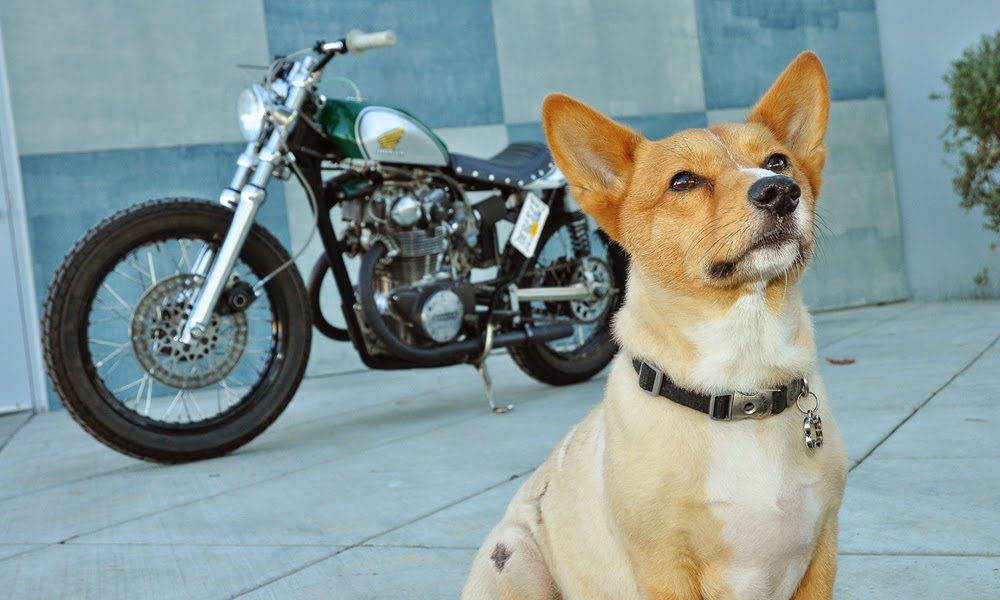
813 427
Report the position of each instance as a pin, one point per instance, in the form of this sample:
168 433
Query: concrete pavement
383 484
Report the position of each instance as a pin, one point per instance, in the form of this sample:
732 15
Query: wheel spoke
152 267
187 411
107 343
114 366
184 254
229 394
119 317
138 394
105 307
149 397
170 408
115 295
197 408
129 386
173 259
113 354
129 277
132 261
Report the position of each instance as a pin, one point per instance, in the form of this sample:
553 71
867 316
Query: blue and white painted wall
945 248
118 102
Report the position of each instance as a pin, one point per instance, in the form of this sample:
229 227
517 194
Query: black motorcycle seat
516 165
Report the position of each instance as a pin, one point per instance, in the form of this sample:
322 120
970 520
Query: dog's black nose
778 194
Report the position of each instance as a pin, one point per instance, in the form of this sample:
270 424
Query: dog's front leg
817 584
509 566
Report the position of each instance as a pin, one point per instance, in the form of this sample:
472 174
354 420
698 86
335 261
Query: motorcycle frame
308 147
327 198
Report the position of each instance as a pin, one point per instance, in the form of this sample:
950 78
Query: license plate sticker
529 225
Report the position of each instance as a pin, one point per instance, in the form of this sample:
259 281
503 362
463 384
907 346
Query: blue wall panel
66 194
443 68
657 127
654 127
745 44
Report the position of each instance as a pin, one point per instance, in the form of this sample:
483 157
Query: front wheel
115 307
591 347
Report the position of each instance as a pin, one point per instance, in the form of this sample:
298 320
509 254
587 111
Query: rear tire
547 362
115 284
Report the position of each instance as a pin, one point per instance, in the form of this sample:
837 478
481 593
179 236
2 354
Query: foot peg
488 383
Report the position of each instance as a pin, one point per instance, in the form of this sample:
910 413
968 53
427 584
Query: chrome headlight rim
251 108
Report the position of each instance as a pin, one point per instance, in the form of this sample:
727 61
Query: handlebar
357 43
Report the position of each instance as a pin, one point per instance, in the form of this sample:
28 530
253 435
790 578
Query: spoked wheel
118 303
591 347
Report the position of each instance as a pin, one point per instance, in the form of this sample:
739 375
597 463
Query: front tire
111 316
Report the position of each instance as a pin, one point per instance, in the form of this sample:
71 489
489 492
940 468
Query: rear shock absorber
579 231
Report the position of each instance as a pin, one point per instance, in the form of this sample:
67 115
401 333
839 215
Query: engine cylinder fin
420 242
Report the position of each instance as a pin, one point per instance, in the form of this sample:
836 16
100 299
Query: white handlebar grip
358 41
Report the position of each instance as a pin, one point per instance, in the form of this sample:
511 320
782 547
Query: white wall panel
106 74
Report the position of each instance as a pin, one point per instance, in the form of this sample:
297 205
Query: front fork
216 275
254 168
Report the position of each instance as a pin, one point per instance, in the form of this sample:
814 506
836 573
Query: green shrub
974 131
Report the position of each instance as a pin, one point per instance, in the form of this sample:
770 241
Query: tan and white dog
649 498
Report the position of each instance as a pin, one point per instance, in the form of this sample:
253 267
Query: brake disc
158 320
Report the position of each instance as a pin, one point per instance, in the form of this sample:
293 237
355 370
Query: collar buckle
740 406
652 376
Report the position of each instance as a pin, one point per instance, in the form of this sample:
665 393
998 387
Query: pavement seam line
16 431
924 403
417 546
353 452
140 465
39 548
927 554
363 543
877 324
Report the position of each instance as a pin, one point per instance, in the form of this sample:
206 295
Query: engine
423 289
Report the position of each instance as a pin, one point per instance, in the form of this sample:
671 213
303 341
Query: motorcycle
179 329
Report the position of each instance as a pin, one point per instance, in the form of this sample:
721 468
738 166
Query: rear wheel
119 300
591 347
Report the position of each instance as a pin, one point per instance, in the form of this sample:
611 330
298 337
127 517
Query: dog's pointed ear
796 109
596 154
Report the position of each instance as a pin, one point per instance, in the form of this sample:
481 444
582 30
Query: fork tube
251 197
203 261
211 290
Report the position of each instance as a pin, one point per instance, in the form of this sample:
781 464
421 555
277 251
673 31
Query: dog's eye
684 181
776 163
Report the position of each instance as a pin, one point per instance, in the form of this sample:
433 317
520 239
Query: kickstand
485 374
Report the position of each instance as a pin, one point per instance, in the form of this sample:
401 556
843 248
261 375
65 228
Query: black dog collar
721 407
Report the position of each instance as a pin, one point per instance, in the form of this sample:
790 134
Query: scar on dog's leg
501 554
817 584
509 566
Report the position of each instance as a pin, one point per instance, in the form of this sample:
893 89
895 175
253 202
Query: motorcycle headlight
251 108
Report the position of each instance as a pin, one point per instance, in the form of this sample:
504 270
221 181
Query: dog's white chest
769 511
741 348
